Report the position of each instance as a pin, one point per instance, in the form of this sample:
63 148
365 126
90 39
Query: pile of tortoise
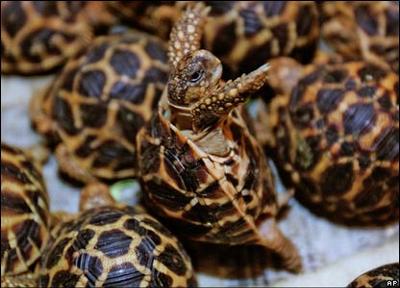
127 104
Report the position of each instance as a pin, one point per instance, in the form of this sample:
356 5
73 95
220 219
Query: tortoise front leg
186 35
213 108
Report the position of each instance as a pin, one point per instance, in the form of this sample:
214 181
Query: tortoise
382 276
94 108
363 30
113 245
243 34
39 36
202 171
25 226
333 132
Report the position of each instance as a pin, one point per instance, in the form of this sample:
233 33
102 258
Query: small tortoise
383 276
24 213
94 108
111 245
243 34
367 29
334 134
202 170
37 36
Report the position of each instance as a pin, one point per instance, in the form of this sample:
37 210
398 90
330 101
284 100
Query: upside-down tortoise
37 36
243 34
201 169
363 29
96 105
112 245
24 215
382 276
334 134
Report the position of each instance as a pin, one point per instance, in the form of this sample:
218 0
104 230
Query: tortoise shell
383 276
335 139
24 212
113 246
368 29
100 100
214 199
37 36
243 34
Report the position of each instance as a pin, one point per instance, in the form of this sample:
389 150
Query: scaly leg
209 110
186 34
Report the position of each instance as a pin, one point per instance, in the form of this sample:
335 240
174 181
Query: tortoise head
193 70
195 74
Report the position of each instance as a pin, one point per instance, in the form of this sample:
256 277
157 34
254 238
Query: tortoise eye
196 76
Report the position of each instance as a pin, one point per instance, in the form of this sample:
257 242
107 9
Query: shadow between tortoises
237 262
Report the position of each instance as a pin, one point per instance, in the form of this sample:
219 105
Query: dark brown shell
24 212
103 97
37 36
368 29
383 276
336 140
115 246
243 34
209 198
